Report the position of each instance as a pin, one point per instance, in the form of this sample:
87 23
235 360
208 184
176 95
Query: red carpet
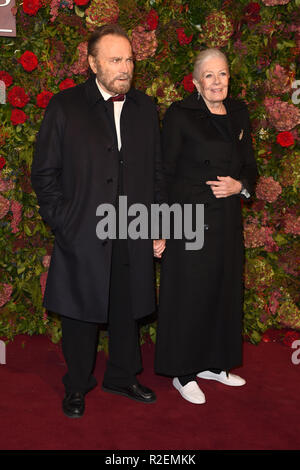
263 415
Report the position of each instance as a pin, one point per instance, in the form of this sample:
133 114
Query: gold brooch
241 134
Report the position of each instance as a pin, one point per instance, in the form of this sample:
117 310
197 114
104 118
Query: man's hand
158 247
226 186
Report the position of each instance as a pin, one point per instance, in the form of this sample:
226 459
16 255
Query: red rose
18 117
6 78
290 337
2 162
182 37
81 2
43 98
29 61
31 7
67 83
252 12
188 83
152 20
285 139
17 97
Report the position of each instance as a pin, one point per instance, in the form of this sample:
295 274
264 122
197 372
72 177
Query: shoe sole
220 381
75 416
115 392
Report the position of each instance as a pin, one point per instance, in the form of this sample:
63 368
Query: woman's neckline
221 115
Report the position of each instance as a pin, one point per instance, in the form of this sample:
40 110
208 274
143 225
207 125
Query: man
90 150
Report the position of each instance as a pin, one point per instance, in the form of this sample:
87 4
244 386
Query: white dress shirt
118 105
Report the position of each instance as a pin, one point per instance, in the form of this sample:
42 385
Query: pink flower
292 224
4 206
255 237
80 67
5 293
16 208
56 4
144 43
282 115
268 189
280 81
6 185
274 302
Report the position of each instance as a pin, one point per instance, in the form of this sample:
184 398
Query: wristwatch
244 191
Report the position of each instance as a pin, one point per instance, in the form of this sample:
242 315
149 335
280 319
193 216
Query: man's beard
115 86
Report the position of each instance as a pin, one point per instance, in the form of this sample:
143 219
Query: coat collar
94 96
192 102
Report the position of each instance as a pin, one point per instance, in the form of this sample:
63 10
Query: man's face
113 64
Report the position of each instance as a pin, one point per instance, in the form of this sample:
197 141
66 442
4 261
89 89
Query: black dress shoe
73 405
135 392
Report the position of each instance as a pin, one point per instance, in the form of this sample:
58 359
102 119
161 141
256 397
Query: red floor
263 415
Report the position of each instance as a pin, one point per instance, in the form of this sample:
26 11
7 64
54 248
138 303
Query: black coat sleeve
47 165
171 143
160 190
248 174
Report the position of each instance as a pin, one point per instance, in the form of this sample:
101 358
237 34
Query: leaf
78 11
20 269
27 230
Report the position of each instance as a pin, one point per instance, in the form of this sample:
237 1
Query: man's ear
92 63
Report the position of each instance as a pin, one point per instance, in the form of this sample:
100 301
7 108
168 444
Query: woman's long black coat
75 169
201 292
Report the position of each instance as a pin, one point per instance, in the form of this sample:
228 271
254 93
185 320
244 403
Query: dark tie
117 98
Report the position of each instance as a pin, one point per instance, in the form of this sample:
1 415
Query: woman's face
213 80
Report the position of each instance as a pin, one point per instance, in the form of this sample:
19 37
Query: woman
208 159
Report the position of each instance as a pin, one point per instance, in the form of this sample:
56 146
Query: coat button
206 226
207 162
109 149
121 162
104 243
109 180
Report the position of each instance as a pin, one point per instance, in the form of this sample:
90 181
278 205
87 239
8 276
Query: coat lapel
100 110
231 107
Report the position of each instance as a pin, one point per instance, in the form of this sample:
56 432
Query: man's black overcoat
75 169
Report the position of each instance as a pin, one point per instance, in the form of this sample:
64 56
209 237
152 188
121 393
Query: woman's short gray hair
207 54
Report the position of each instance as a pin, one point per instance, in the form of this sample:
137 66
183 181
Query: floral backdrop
262 42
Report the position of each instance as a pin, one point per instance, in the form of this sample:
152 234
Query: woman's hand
158 247
226 186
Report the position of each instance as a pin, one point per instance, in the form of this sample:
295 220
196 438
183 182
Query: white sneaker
190 392
231 379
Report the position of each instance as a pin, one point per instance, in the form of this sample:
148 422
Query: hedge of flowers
262 42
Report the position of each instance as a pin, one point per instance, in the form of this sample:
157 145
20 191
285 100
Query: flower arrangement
49 54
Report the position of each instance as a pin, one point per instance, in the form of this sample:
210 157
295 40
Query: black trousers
80 339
